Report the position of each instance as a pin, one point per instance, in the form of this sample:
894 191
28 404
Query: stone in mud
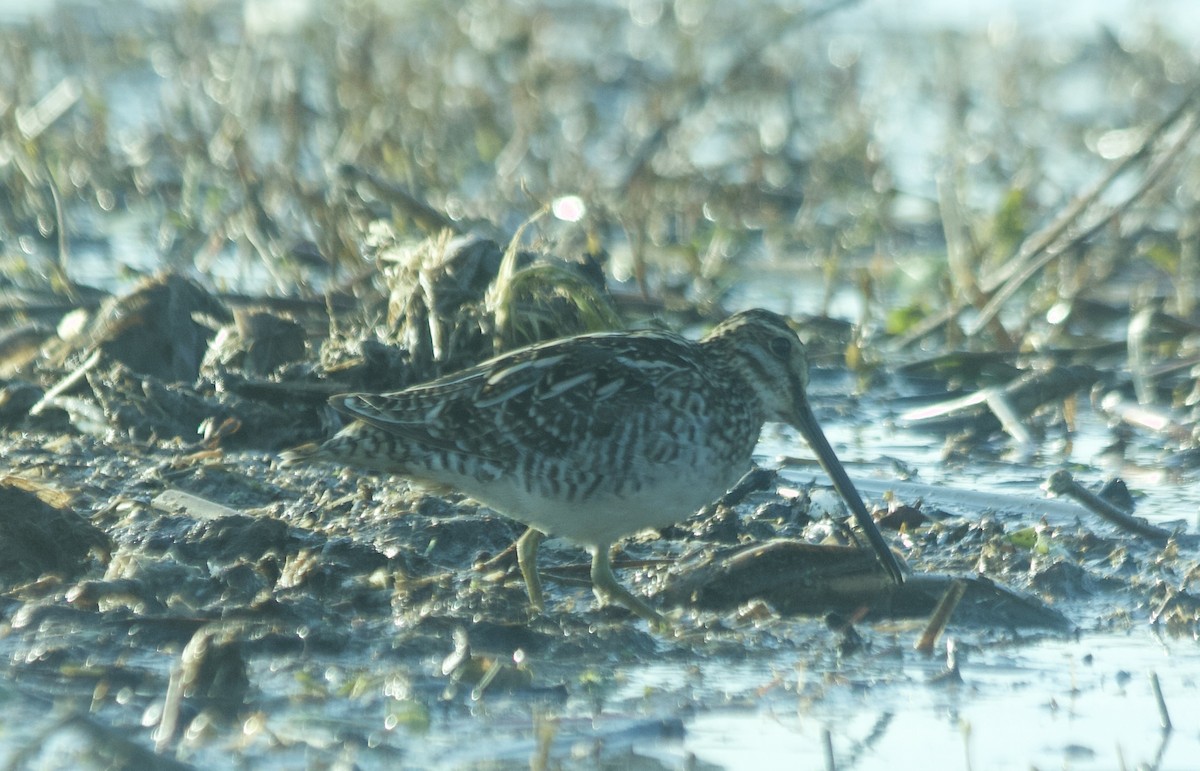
41 534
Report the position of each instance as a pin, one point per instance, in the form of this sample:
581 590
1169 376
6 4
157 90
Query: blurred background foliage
259 142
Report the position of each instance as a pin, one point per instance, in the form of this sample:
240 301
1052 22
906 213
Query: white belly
605 517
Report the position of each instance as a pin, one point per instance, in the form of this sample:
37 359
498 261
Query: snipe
595 437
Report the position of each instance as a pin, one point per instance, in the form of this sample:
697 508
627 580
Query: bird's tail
358 444
305 453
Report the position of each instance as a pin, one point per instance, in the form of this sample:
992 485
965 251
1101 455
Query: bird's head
766 352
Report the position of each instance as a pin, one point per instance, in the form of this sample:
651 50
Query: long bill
807 423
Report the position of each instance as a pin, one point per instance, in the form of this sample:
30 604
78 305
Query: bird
597 436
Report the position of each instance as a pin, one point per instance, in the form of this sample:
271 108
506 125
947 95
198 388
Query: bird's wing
541 399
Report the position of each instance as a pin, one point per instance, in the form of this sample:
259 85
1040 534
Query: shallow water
1082 702
1085 704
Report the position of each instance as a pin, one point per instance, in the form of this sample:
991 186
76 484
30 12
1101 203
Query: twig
827 746
64 243
941 616
1037 243
961 260
66 384
1044 246
1062 483
1045 251
1149 418
1164 719
422 213
32 121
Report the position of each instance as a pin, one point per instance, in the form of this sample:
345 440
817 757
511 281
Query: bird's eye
780 346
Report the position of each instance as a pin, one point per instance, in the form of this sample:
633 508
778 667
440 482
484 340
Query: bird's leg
605 585
527 547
